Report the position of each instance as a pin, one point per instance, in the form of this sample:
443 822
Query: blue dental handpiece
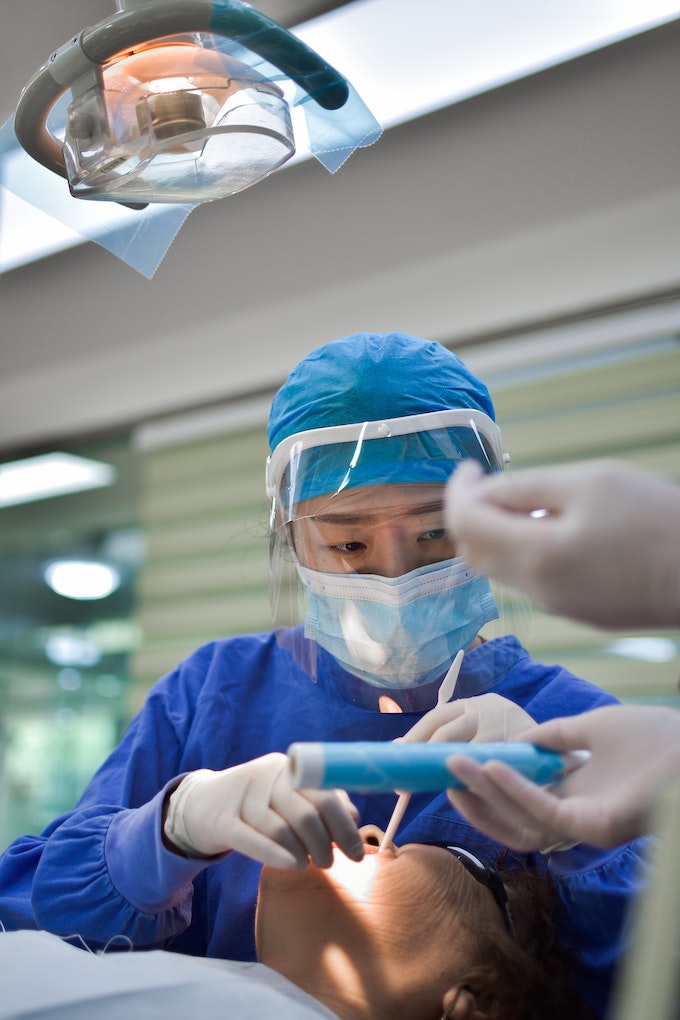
380 767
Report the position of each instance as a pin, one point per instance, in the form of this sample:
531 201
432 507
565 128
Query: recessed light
82 579
51 474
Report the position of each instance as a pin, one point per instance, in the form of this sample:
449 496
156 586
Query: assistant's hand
605 802
254 809
485 718
607 552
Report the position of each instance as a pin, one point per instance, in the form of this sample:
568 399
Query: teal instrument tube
381 767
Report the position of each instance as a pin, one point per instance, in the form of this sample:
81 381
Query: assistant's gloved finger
499 811
509 832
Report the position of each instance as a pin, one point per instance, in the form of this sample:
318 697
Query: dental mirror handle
444 693
395 821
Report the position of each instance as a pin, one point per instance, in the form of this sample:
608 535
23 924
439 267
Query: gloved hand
580 560
635 750
254 809
486 718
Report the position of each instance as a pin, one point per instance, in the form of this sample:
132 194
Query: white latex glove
486 718
605 802
608 552
254 809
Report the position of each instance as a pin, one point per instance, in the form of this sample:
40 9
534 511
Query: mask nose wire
444 694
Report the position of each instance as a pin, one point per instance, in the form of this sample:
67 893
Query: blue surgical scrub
102 869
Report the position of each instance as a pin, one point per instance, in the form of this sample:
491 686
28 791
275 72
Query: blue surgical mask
397 632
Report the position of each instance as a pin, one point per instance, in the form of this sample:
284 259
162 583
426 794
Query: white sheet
45 977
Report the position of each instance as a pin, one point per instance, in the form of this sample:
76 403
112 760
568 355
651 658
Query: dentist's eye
347 548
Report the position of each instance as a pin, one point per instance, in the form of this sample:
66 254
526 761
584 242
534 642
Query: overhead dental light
177 101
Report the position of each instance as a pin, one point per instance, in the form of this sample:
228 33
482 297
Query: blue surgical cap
369 377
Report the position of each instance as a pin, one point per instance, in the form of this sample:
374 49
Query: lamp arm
96 45
231 19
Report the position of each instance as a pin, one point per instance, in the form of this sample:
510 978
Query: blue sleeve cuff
584 858
140 866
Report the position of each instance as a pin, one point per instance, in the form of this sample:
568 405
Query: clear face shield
359 552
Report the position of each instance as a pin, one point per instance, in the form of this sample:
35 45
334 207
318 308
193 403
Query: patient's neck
337 984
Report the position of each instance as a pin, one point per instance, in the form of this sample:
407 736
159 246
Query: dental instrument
444 694
413 767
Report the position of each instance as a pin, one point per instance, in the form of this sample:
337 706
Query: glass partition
64 661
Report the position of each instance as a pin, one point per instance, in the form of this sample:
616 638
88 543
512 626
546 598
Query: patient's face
395 921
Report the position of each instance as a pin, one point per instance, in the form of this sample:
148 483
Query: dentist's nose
394 555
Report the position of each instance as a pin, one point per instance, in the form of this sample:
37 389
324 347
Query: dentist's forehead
373 500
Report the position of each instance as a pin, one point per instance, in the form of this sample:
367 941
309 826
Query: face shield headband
417 449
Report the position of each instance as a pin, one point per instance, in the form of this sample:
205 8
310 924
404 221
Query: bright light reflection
359 641
356 877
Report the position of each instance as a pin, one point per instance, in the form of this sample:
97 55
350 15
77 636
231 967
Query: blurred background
527 217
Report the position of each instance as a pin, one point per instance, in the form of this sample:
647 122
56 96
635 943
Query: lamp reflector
174 122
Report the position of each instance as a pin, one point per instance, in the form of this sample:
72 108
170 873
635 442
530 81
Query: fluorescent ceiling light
84 580
404 60
51 474
644 649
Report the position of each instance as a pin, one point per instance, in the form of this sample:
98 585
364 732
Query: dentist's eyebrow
349 517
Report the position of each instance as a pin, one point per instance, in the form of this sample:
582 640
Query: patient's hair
526 975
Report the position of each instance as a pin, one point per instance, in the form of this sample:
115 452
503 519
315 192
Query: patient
418 932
